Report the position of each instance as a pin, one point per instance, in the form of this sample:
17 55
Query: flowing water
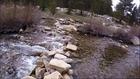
18 52
18 55
105 58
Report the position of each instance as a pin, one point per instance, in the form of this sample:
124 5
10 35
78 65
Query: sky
115 2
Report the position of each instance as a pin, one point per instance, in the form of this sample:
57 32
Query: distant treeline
125 10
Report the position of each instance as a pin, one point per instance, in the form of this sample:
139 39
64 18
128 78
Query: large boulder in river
59 65
135 40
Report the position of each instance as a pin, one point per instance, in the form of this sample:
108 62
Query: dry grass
94 26
127 36
13 17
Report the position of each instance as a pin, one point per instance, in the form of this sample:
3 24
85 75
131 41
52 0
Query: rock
54 75
39 72
46 63
71 20
47 28
67 54
71 47
68 60
66 76
21 31
51 70
29 29
60 52
39 63
33 70
70 72
68 27
22 38
46 73
60 56
51 53
59 65
135 40
28 77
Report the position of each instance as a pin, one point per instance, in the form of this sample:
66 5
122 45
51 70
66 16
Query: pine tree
122 8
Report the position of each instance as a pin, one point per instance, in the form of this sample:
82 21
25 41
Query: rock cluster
53 65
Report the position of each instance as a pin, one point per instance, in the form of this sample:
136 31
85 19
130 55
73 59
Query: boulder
28 77
51 53
47 28
135 40
60 56
59 65
68 27
67 54
71 47
39 72
39 63
71 20
66 76
46 63
68 60
46 73
54 75
33 70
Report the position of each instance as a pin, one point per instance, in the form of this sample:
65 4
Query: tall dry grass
14 17
95 26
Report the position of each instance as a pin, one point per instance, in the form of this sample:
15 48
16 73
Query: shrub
14 17
94 26
135 31
123 35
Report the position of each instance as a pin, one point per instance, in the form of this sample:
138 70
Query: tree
52 6
101 7
70 6
122 9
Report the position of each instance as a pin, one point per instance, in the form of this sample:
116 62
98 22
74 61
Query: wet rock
59 65
39 72
22 38
28 77
66 76
60 56
51 53
32 70
54 75
46 63
135 40
71 47
39 63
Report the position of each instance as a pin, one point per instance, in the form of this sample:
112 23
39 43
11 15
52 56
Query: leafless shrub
135 31
14 17
94 26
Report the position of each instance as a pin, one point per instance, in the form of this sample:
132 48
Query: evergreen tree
52 6
122 9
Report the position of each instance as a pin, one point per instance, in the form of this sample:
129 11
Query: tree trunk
81 12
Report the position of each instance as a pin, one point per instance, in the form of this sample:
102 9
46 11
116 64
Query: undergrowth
14 17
